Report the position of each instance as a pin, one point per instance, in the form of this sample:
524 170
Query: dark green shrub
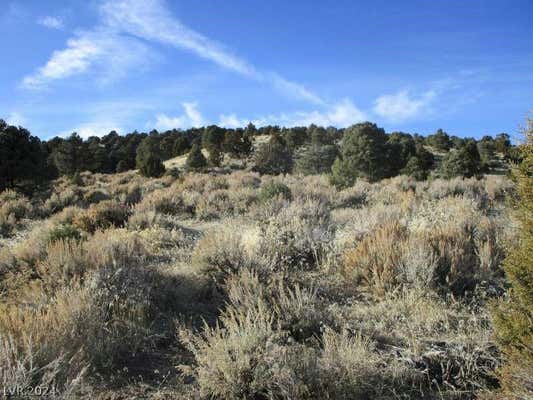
316 160
148 158
464 162
181 146
273 158
274 189
513 315
196 160
63 232
173 172
96 196
103 215
362 155
440 140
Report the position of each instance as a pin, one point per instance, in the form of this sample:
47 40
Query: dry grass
376 291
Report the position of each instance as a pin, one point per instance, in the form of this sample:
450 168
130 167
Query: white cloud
16 119
76 58
111 54
401 106
340 114
232 121
295 90
191 118
94 128
151 20
51 22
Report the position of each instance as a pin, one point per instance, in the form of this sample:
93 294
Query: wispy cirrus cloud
51 22
150 21
101 50
402 105
295 90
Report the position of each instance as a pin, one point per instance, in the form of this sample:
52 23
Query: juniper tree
196 160
148 159
362 155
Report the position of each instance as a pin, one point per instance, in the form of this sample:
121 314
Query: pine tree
196 160
70 155
513 316
22 157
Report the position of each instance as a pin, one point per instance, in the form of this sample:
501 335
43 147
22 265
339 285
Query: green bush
513 314
63 232
316 160
148 159
273 158
464 162
103 215
363 155
274 189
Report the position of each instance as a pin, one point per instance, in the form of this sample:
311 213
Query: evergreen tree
319 136
122 166
236 143
295 137
274 157
148 158
196 160
316 160
400 148
464 162
215 157
213 137
513 315
487 150
426 158
212 141
250 131
22 157
440 141
166 146
415 169
70 155
502 142
362 155
181 146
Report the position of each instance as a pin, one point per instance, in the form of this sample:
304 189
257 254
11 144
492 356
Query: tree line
360 151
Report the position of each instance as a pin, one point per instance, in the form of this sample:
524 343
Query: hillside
243 284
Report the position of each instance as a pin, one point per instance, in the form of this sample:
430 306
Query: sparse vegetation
352 285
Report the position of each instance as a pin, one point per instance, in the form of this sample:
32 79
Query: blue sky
98 65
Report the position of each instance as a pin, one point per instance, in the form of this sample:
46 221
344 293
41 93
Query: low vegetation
398 275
